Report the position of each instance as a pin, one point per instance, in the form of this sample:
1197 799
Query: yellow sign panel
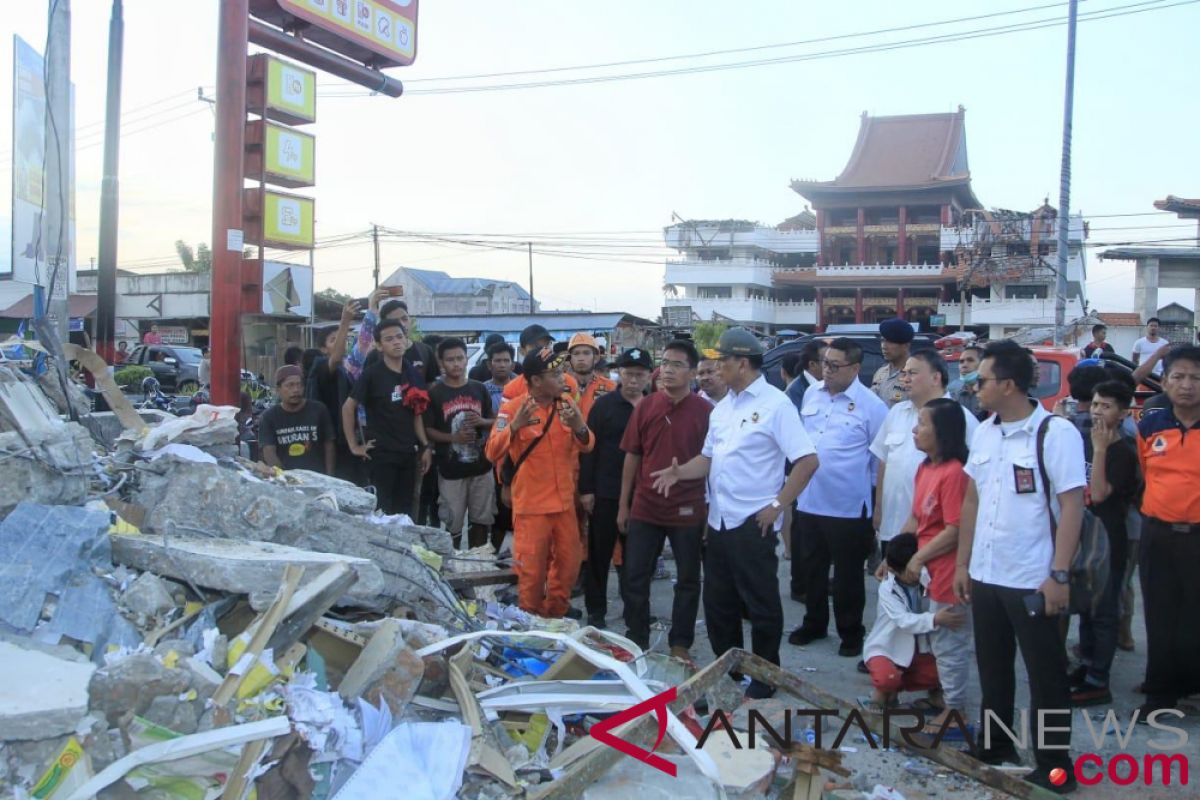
290 155
381 32
287 219
292 90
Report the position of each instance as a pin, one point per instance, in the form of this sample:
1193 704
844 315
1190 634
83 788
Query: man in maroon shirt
669 424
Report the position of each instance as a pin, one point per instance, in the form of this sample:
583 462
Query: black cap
534 334
739 342
896 331
541 361
635 358
492 338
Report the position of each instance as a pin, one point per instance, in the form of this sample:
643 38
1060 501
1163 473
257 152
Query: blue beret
896 330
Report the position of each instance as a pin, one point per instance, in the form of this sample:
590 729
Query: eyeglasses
834 366
674 365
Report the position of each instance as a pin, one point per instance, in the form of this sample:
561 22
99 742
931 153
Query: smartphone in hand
1035 604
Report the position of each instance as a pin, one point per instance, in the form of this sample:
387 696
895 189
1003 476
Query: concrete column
1145 288
858 299
822 256
900 303
902 256
862 237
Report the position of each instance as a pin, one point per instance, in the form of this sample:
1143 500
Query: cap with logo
635 358
534 334
539 362
739 342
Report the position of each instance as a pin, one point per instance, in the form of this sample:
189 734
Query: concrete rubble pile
177 622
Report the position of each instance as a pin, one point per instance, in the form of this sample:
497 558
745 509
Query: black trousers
1001 625
393 479
602 540
503 522
1171 595
741 570
643 546
845 543
799 578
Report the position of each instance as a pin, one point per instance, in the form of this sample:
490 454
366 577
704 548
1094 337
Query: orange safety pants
546 556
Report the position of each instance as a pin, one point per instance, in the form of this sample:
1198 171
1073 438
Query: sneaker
850 650
759 691
1046 779
801 637
680 652
1088 694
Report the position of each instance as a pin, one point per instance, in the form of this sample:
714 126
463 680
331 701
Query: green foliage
256 390
333 294
199 260
706 334
132 375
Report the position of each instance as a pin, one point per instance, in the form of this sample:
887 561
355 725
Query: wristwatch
1060 576
776 504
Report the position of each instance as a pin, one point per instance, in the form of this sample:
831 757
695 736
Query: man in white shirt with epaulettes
842 417
752 432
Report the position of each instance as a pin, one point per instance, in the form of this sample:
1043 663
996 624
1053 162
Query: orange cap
583 339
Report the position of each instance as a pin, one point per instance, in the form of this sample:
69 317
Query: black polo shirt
600 470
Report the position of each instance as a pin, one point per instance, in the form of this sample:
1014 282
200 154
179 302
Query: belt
1176 527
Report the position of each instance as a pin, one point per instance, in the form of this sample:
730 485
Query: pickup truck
176 367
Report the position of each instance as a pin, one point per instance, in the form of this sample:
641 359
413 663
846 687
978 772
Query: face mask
970 378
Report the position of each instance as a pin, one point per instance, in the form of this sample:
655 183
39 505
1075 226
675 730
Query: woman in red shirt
941 484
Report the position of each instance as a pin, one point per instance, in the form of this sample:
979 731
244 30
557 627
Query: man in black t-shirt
1114 481
296 433
394 397
329 384
459 416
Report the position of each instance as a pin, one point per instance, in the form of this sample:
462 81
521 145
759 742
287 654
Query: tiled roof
1120 319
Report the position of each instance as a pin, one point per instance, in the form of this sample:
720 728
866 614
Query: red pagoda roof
910 152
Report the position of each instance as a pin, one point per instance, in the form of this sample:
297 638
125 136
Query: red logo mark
1058 776
658 703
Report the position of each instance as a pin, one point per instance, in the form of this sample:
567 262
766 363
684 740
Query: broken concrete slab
745 772
53 387
41 548
44 692
349 498
49 465
387 671
106 427
239 566
147 596
173 714
129 686
183 497
23 406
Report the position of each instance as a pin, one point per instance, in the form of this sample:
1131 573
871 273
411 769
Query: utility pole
1064 192
57 189
532 304
375 237
106 290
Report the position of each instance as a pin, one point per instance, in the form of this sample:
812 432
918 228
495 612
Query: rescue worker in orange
543 434
534 338
584 353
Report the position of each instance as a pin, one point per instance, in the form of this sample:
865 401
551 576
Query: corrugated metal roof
440 282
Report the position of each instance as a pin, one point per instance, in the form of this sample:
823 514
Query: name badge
1023 481
686 511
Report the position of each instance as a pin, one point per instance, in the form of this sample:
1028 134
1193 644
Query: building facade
899 232
430 293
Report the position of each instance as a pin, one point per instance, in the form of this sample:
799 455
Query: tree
333 295
706 334
199 260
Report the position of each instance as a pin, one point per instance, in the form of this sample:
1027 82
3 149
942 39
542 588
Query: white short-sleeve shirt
750 435
897 451
842 427
1013 545
1146 348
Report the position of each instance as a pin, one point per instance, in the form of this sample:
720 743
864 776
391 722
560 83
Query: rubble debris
129 685
240 567
206 427
427 759
23 406
45 465
346 496
387 671
53 388
122 409
44 692
147 596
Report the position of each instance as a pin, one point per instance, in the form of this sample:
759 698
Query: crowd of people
966 499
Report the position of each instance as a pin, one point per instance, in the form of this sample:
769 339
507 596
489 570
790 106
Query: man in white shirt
923 378
1149 344
842 417
751 434
1010 549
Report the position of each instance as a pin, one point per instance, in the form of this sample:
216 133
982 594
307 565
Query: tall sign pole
1064 189
58 164
106 289
225 315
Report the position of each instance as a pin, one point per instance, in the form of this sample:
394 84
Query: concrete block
147 596
46 465
239 567
173 714
42 694
130 685
106 427
387 670
350 498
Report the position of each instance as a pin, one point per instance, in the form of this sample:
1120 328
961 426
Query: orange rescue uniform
517 387
546 547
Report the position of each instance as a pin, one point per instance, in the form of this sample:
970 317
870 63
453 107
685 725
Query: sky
595 170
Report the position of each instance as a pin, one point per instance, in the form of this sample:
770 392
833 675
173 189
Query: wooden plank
239 780
772 675
266 625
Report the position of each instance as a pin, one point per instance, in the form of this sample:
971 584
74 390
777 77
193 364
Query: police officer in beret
897 336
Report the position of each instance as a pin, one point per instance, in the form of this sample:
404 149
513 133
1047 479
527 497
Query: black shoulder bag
508 469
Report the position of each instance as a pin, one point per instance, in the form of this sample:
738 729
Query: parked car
870 343
177 368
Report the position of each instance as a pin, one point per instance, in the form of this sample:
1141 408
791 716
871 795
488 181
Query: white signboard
287 289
